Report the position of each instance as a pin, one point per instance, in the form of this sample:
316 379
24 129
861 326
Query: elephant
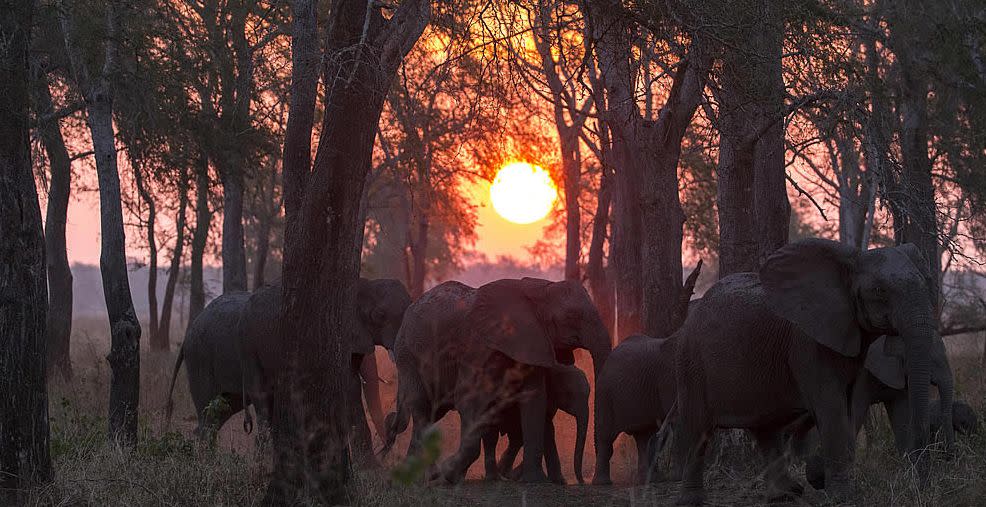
568 391
884 381
776 352
964 419
634 393
380 307
217 342
480 350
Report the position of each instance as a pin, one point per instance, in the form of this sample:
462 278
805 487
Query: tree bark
124 355
59 272
323 240
145 194
203 218
602 293
267 216
164 326
754 212
24 458
647 261
233 248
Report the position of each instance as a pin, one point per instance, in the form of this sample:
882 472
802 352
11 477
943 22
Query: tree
24 457
754 212
362 52
647 215
59 272
97 89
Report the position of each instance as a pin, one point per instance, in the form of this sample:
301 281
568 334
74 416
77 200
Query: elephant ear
885 361
367 315
809 284
504 317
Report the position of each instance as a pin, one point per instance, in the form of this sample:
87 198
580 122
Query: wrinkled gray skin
211 353
964 419
380 306
634 393
216 346
885 381
568 391
478 351
769 351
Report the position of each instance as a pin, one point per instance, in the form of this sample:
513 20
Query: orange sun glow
523 193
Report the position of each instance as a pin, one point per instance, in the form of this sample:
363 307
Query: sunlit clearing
523 193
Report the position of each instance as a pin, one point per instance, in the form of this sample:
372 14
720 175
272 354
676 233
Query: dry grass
168 468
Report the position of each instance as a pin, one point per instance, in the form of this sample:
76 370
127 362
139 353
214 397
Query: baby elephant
634 392
568 390
964 420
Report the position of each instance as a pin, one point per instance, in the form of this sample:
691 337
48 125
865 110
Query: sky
495 235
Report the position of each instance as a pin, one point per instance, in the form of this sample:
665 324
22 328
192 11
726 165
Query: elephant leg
641 439
453 470
900 421
532 415
604 453
420 421
834 431
510 455
361 443
490 438
551 460
695 431
780 485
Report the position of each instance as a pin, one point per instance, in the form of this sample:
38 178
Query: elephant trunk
597 341
942 378
918 339
581 428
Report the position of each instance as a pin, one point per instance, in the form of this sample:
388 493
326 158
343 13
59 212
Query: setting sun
523 193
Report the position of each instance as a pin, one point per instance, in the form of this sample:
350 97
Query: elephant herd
796 352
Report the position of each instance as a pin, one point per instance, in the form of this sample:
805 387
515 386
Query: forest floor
168 467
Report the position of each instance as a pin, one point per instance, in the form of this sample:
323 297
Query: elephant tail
582 427
170 406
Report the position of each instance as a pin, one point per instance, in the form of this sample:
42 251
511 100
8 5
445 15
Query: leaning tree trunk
754 212
124 355
164 326
145 194
324 234
59 272
196 296
24 458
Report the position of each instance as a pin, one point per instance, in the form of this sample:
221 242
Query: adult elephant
481 350
218 339
777 351
568 391
380 307
634 393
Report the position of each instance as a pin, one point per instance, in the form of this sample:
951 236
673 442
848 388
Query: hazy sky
495 236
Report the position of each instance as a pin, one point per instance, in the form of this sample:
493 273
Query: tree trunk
569 141
145 194
602 294
59 272
124 355
920 225
24 458
164 328
263 234
323 239
645 153
203 218
233 248
754 212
